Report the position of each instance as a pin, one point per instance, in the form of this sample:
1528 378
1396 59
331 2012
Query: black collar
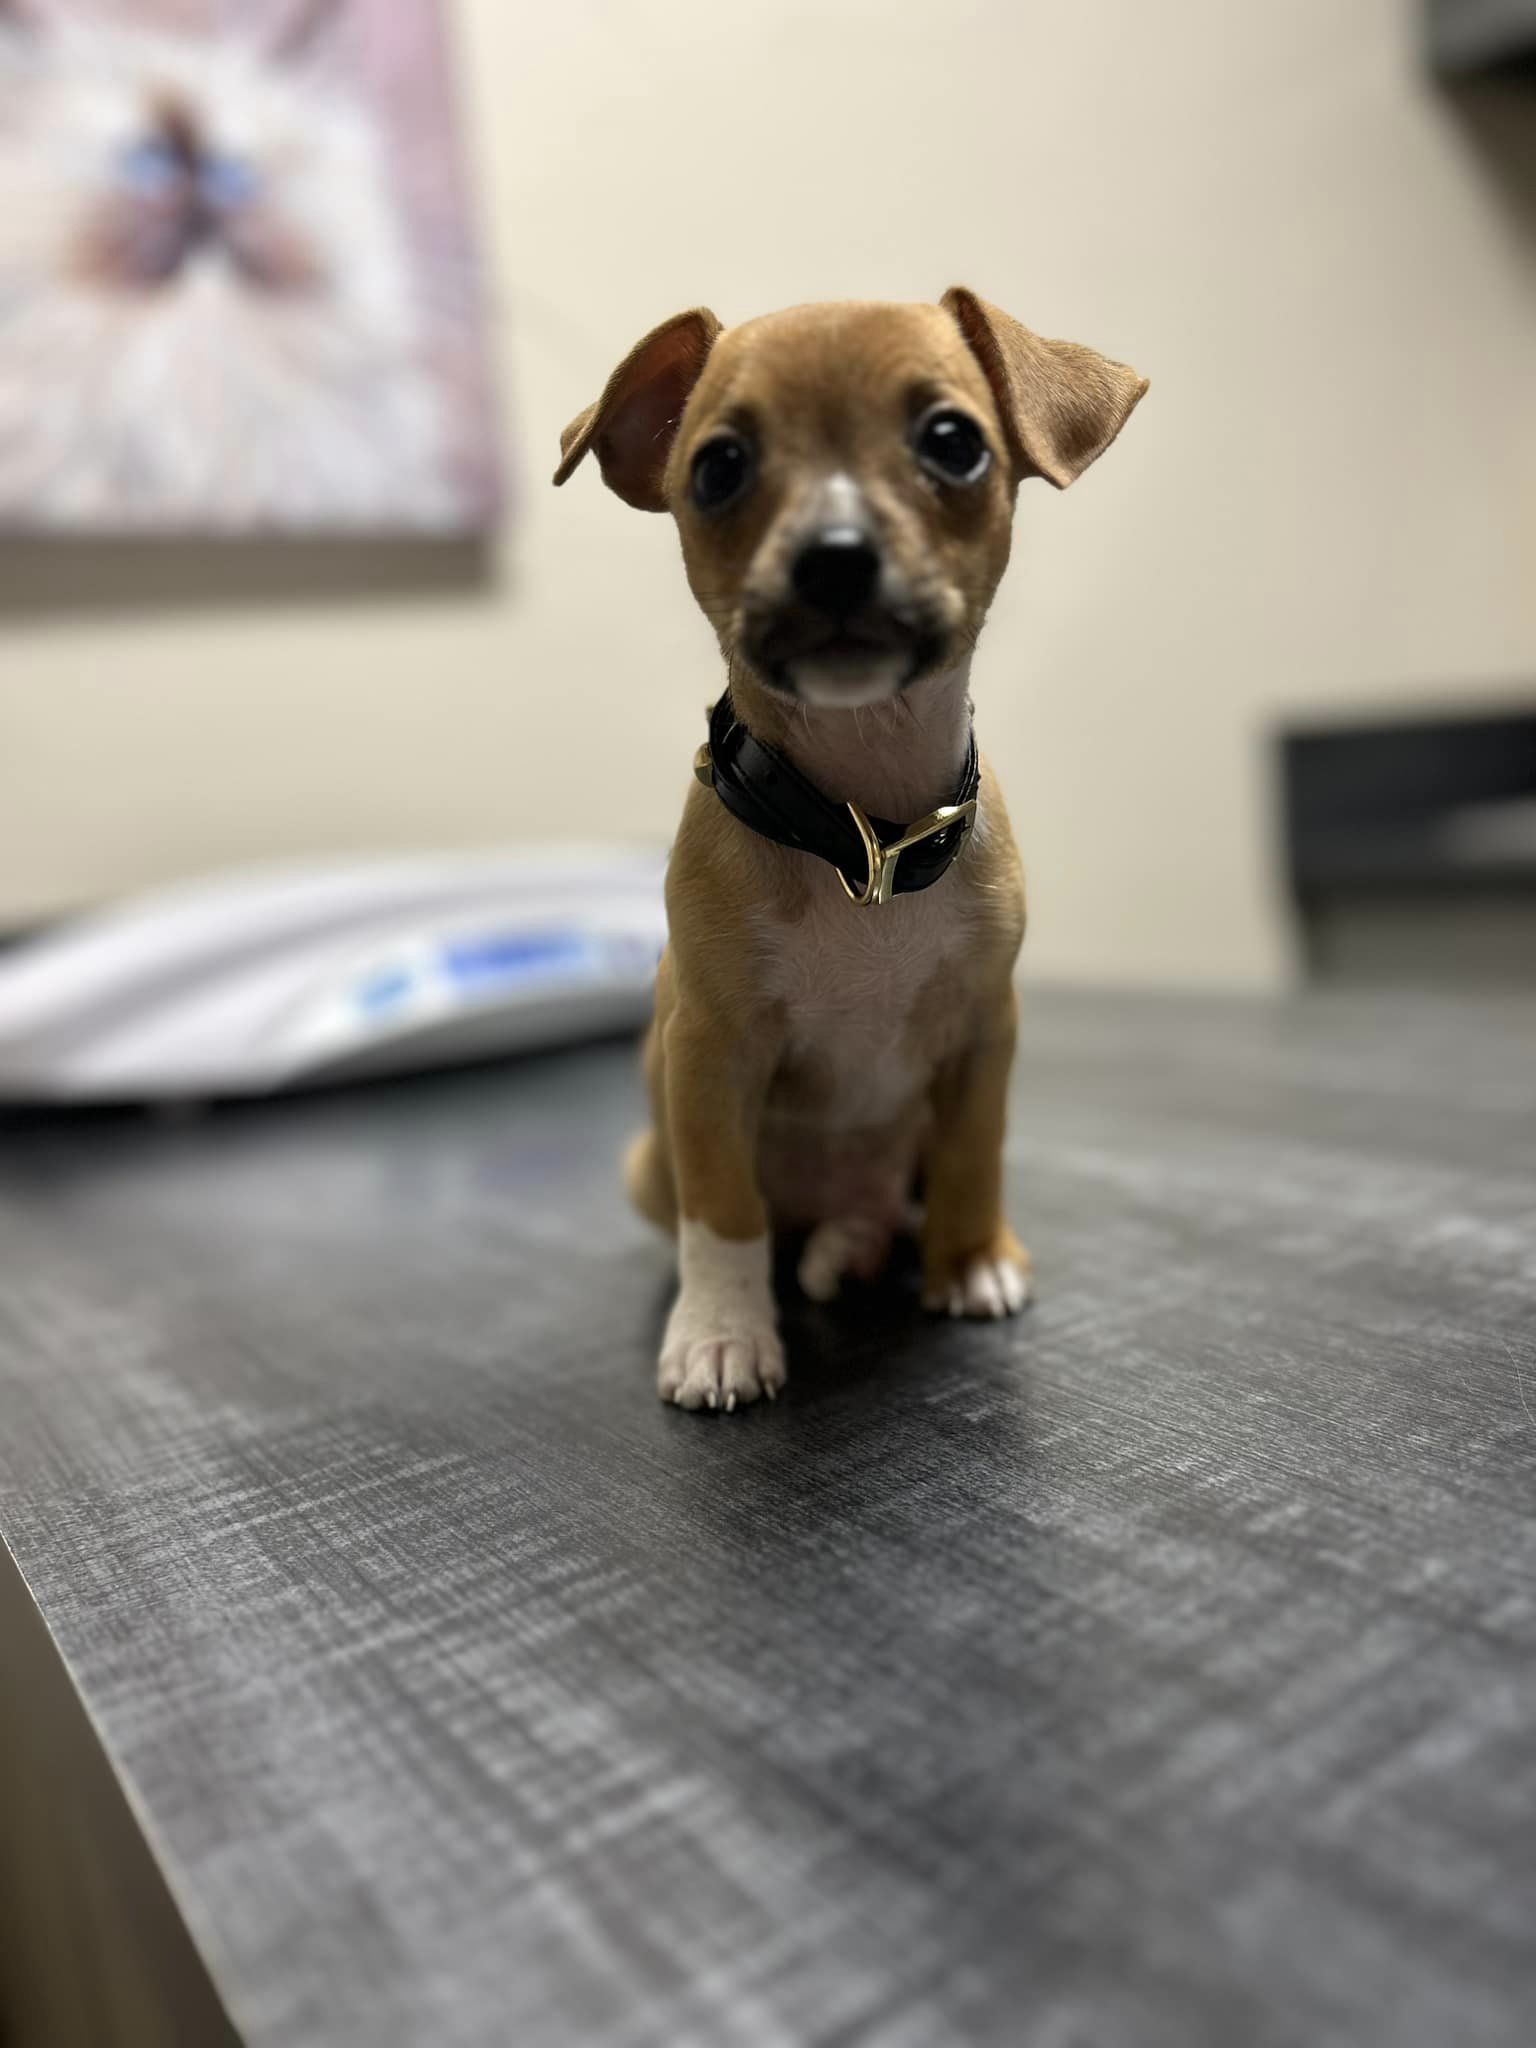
875 858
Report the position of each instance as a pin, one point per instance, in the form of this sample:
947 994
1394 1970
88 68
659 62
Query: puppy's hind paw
855 1245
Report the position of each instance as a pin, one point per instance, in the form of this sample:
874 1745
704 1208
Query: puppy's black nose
837 571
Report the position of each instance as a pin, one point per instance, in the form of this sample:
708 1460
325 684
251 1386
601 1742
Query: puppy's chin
843 671
847 682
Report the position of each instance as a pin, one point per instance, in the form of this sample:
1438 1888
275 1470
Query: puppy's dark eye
952 447
722 469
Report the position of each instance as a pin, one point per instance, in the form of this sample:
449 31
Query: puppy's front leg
973 1265
721 1348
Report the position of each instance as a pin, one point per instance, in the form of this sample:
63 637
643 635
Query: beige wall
1328 499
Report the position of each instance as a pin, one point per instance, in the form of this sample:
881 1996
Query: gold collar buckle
881 861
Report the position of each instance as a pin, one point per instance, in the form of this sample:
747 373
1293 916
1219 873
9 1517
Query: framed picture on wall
239 289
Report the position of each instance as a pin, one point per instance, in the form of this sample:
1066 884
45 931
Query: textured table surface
1158 1669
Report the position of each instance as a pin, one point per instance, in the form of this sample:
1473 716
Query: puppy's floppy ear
1061 405
632 425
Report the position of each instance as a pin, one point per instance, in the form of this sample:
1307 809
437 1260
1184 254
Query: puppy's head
844 476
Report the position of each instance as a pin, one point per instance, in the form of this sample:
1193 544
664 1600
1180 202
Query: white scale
288 977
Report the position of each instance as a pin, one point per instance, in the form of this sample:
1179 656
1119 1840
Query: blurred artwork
237 284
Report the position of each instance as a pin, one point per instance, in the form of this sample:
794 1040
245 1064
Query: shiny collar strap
875 858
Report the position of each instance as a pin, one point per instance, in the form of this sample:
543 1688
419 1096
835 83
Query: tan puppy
843 478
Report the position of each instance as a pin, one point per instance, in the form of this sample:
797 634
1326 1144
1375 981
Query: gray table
1159 1669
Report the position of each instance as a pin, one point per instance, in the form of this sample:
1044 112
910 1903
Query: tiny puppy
835 1010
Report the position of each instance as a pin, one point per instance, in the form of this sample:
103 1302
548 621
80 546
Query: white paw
848 1244
721 1349
725 1372
989 1288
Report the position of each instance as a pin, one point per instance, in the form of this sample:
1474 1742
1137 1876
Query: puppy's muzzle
835 624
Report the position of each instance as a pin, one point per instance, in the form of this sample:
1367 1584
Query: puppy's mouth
863 662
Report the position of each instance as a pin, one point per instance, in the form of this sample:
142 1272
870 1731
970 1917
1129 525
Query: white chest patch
850 980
